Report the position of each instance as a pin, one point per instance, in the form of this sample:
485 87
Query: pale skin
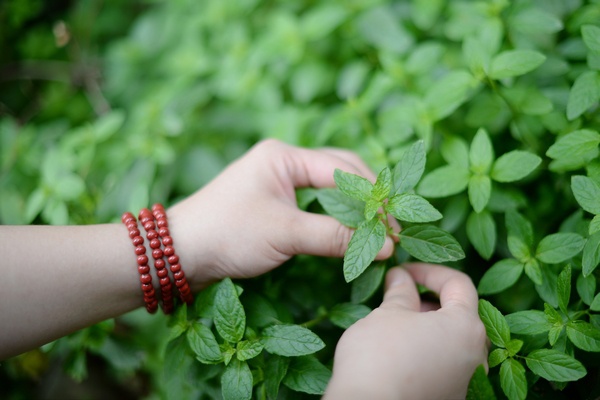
244 223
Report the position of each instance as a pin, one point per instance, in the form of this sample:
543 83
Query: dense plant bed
491 106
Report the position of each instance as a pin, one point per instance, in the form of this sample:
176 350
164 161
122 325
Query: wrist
190 240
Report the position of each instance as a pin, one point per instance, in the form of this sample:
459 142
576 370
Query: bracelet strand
185 292
142 262
166 288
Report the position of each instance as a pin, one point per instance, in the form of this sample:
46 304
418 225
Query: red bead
167 288
162 223
145 278
126 216
164 281
138 241
160 263
178 275
146 287
150 293
184 290
149 226
179 283
155 243
157 253
143 269
174 259
142 260
157 206
167 240
162 232
169 251
131 225
133 233
162 272
139 250
175 268
151 235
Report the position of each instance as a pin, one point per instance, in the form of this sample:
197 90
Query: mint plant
481 118
393 194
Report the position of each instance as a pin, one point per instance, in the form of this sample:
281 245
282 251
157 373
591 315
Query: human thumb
401 290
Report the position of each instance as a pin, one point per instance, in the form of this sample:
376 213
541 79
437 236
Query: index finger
454 287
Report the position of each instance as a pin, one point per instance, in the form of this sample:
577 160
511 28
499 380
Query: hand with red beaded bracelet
58 279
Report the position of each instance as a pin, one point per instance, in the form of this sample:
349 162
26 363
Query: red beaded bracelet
142 261
185 292
147 221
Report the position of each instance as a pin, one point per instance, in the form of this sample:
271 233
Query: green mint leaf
364 245
496 357
587 193
346 314
579 146
430 244
248 349
412 208
367 283
518 249
378 27
290 340
347 210
371 207
383 185
230 318
352 78
533 271
479 190
528 322
481 231
500 276
594 225
307 375
591 254
409 169
481 153
563 289
586 287
595 306
559 247
203 344
554 334
519 227
480 386
591 37
555 366
260 312
552 315
514 346
495 324
444 181
584 335
514 165
447 94
236 381
514 63
455 151
275 370
512 379
205 301
353 186
583 95
227 352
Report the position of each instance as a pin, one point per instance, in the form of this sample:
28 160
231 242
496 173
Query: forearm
58 279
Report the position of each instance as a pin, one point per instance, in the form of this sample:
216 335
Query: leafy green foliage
480 117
